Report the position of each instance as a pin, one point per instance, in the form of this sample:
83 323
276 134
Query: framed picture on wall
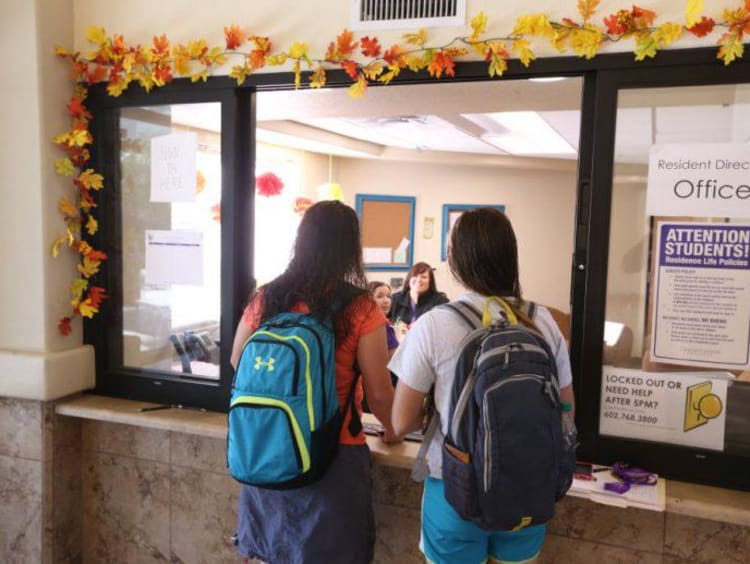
387 224
451 213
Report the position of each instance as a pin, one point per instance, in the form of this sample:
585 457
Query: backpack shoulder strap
467 312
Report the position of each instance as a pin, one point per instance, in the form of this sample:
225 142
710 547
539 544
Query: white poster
701 180
173 173
174 257
376 255
683 408
701 310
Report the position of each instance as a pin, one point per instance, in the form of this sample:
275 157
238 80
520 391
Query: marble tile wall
21 486
151 496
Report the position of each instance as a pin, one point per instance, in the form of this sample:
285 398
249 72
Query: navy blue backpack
284 418
504 462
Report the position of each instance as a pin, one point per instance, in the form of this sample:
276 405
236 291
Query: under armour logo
268 364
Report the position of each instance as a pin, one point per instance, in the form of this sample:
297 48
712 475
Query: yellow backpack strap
487 315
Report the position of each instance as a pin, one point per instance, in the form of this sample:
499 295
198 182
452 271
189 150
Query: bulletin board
387 225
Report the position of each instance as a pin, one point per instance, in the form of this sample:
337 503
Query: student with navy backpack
498 370
295 439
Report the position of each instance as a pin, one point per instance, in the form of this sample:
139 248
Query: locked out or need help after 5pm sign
702 180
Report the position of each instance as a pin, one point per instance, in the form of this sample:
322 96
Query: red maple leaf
64 326
97 75
442 62
97 294
163 73
703 27
371 47
351 68
97 255
161 45
77 109
394 56
233 36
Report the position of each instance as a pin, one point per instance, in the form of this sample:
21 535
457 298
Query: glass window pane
675 327
170 163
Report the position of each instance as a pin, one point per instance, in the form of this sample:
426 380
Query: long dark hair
326 262
483 255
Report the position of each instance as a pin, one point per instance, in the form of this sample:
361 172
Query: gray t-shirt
428 355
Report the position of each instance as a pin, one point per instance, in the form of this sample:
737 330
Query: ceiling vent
404 14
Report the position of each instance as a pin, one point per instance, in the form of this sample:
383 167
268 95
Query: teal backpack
284 418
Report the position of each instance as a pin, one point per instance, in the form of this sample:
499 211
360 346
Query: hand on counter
389 437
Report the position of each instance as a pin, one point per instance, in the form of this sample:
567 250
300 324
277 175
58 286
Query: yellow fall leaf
181 64
90 179
525 54
56 246
62 51
731 48
239 73
92 225
64 167
318 77
585 41
202 75
646 46
297 50
587 8
419 38
87 309
88 267
196 48
79 138
693 10
478 26
357 90
96 35
114 89
534 24
416 63
276 60
498 66
78 287
392 73
373 70
668 33
217 56
67 208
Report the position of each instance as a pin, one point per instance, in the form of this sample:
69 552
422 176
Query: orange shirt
366 317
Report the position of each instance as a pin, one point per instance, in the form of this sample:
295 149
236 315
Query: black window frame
602 76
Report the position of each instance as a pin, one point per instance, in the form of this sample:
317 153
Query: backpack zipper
320 348
487 434
508 349
260 402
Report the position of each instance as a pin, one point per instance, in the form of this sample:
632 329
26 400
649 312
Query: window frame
104 331
602 76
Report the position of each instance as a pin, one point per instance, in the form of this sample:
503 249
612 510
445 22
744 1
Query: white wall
540 203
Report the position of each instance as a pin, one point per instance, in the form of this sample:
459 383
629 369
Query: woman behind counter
422 295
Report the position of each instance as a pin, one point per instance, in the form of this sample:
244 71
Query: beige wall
317 23
540 203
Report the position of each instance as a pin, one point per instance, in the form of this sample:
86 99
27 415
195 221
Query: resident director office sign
701 180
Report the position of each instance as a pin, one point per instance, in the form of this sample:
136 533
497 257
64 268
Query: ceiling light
528 134
548 79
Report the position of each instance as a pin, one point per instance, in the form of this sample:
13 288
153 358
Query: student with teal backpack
295 440
499 371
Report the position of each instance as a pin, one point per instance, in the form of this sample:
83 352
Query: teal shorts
449 539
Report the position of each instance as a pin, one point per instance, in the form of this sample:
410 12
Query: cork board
387 226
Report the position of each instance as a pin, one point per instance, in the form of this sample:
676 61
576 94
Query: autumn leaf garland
364 60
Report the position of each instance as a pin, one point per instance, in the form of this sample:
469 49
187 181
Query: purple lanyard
629 475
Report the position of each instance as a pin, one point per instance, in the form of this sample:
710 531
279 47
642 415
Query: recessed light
548 79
